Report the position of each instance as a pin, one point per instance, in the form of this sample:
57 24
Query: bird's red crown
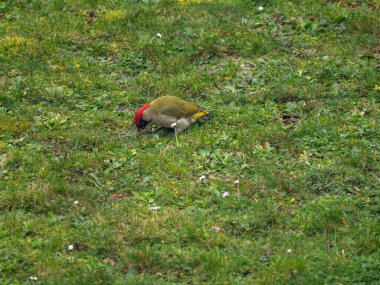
139 113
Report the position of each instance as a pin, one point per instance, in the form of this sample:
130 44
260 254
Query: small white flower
261 8
33 278
225 194
70 247
155 208
159 35
76 202
289 250
236 181
202 178
173 125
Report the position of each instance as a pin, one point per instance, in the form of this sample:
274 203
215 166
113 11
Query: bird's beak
141 127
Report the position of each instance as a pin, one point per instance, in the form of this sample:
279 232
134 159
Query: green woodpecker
168 112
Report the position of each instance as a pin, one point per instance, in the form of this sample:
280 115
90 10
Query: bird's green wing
173 106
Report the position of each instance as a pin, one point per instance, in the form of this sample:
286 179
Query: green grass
295 94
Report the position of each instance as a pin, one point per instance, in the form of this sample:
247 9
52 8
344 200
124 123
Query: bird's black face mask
142 125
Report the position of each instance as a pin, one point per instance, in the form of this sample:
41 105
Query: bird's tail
201 113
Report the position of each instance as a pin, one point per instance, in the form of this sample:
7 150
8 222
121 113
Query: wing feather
177 108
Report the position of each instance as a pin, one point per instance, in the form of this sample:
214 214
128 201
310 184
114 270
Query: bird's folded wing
179 109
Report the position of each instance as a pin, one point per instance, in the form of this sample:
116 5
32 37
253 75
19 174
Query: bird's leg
156 130
175 132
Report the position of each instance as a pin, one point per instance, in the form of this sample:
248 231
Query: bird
169 112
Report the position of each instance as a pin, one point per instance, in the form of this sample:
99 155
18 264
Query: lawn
279 186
